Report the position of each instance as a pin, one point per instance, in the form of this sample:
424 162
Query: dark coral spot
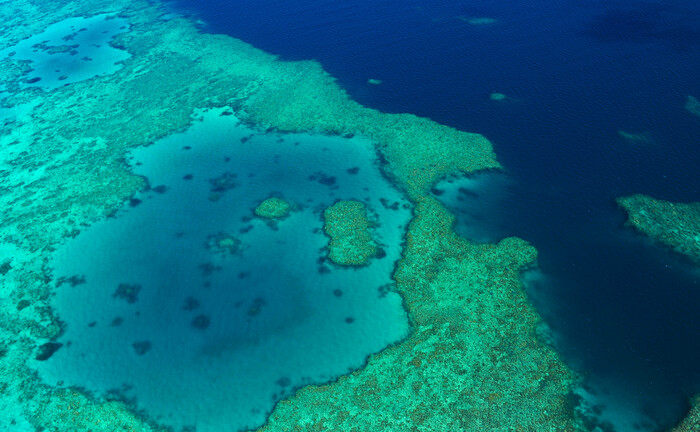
128 292
141 347
349 320
160 189
117 321
201 322
133 202
33 80
353 171
223 183
256 307
338 293
191 304
437 192
5 267
283 382
47 350
187 177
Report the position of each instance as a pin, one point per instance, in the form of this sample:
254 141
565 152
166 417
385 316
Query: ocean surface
624 310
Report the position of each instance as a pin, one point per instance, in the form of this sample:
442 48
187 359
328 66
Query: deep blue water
575 72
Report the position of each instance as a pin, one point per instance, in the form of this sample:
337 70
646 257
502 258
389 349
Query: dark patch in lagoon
223 183
127 292
141 347
436 191
283 382
47 350
353 171
133 202
74 280
338 292
117 321
5 267
323 178
161 189
208 268
256 307
201 322
191 304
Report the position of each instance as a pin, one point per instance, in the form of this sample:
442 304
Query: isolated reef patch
348 226
273 208
676 225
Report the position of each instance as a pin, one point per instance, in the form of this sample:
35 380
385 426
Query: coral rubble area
676 225
473 360
348 227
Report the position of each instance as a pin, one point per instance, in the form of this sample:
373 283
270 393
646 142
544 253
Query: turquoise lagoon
201 333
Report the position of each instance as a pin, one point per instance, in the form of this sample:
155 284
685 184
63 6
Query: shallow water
208 334
75 49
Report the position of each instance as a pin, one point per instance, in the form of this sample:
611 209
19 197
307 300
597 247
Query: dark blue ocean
625 311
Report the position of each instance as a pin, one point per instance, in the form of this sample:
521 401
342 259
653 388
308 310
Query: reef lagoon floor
271 216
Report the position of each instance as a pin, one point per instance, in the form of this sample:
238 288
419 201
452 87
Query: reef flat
676 225
347 225
474 359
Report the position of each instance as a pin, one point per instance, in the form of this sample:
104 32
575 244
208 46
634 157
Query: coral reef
347 225
273 208
472 361
674 224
